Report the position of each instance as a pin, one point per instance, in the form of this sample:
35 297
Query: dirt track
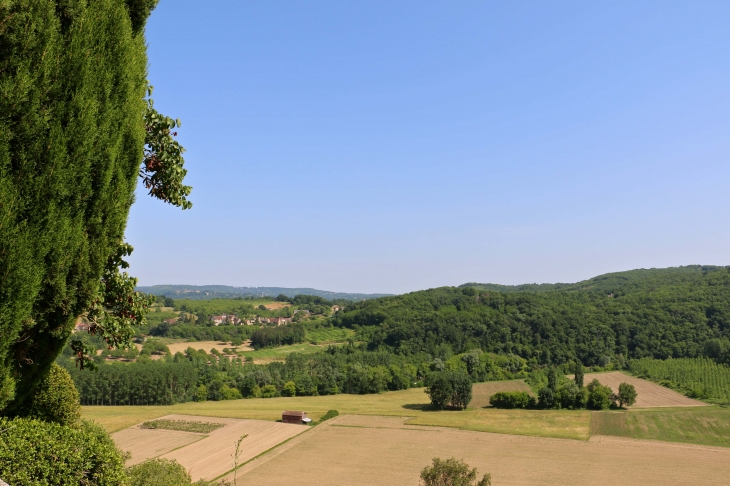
382 451
649 395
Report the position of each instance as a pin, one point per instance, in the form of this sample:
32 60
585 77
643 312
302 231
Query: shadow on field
424 407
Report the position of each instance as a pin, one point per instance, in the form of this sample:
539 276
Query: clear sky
396 146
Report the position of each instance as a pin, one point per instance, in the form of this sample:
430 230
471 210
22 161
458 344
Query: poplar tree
578 375
77 129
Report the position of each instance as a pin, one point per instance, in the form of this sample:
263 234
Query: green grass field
693 425
407 403
325 335
281 352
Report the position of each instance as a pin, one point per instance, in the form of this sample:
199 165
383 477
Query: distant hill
204 292
618 283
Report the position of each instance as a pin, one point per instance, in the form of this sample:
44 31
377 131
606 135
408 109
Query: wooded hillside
659 313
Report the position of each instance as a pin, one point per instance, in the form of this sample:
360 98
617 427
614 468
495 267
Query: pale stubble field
368 450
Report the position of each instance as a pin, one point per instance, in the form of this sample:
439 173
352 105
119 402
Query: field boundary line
681 445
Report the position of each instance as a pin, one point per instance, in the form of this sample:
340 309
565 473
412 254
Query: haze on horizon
375 147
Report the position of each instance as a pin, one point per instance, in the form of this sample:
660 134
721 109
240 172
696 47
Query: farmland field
482 392
695 425
345 451
329 335
205 345
650 395
206 456
702 377
145 444
411 403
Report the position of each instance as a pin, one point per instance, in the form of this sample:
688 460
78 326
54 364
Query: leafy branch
162 169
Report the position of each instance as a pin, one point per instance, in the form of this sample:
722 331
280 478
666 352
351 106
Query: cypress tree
553 379
74 124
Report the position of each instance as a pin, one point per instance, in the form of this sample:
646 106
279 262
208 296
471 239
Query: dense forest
665 313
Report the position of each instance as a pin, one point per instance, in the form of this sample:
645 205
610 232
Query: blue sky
397 146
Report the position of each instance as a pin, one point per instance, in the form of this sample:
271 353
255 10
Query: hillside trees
74 130
667 313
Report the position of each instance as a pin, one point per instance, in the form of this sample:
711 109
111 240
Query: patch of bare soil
649 395
384 451
276 305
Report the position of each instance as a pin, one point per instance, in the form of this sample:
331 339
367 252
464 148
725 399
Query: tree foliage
74 130
452 388
658 313
159 472
626 395
33 452
452 472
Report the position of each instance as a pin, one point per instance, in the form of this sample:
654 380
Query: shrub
201 394
267 391
42 453
330 414
452 473
228 393
158 472
56 398
289 389
511 400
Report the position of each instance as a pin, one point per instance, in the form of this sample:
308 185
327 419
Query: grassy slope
408 403
693 425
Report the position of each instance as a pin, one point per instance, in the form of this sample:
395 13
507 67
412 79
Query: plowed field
649 395
206 456
482 392
146 443
385 451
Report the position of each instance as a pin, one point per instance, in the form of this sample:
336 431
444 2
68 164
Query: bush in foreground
56 399
41 453
451 472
